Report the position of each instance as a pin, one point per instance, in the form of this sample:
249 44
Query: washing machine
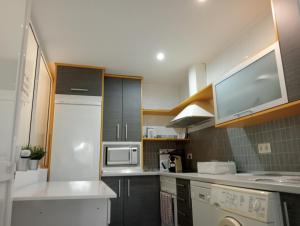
245 207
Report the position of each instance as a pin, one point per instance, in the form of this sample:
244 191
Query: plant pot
33 164
22 164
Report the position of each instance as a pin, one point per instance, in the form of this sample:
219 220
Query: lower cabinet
137 201
184 203
290 204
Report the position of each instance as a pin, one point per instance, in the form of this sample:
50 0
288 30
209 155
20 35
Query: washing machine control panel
246 202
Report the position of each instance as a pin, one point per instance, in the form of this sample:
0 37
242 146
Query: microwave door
118 156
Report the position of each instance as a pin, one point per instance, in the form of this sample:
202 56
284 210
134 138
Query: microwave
121 154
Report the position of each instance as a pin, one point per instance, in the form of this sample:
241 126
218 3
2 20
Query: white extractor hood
193 113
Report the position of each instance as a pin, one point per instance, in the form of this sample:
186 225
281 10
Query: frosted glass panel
39 126
254 85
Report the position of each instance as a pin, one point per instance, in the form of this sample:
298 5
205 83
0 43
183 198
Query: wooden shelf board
166 112
204 95
164 139
279 112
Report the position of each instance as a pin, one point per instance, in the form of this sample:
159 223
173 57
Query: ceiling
126 35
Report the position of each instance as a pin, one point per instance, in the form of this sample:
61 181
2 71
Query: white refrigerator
75 154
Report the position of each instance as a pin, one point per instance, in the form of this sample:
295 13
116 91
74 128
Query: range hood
191 115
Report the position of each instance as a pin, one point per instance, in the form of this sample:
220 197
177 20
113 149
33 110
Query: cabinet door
131 110
117 185
141 202
287 15
290 208
79 81
112 118
256 85
184 202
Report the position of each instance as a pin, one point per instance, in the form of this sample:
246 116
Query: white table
75 203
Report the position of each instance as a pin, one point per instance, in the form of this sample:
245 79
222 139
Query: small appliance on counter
215 167
175 164
164 159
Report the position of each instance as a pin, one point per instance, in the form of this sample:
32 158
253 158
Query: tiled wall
151 152
240 145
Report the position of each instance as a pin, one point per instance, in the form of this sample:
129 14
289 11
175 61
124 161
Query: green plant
37 153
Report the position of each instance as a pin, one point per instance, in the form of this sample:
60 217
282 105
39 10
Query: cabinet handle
126 131
243 113
78 90
181 213
181 185
118 131
181 199
119 188
128 188
286 214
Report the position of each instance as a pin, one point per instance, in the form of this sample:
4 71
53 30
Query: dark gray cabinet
122 109
138 200
131 109
113 113
290 204
287 19
117 185
73 80
184 203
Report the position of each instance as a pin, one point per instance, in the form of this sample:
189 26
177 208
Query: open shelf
204 95
279 112
164 139
163 112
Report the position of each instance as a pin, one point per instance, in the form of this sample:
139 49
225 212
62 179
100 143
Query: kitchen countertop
128 172
237 180
64 191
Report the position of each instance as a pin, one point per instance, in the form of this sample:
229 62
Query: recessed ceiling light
160 56
201 0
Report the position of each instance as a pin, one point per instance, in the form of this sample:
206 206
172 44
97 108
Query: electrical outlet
264 148
189 156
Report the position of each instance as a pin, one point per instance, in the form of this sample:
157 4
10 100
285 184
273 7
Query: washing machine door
228 221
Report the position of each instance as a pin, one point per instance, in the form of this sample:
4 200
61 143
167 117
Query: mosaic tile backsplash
241 145
151 152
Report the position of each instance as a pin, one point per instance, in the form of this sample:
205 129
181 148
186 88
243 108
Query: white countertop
239 180
123 172
64 190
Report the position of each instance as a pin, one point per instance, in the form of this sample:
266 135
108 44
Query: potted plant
25 154
37 153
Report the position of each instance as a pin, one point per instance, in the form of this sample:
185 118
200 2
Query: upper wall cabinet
287 19
76 80
255 85
122 109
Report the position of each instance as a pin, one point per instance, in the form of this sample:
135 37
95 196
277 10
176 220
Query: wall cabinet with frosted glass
255 85
267 80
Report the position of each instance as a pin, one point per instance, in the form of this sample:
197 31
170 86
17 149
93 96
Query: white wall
160 96
253 40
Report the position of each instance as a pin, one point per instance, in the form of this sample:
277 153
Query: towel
166 209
